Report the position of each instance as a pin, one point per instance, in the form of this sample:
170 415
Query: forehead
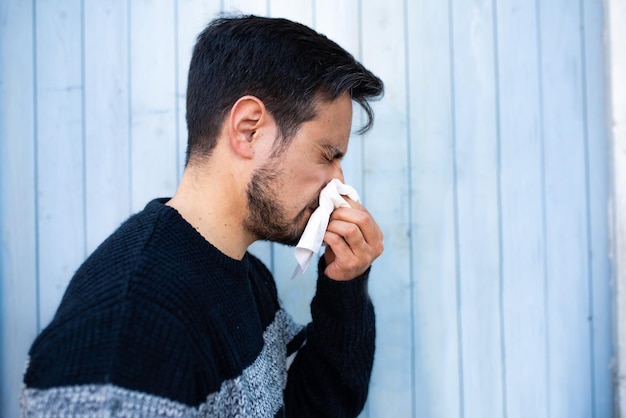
333 120
339 108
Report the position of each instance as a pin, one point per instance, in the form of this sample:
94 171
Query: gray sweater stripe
257 392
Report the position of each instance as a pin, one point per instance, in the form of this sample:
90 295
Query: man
171 316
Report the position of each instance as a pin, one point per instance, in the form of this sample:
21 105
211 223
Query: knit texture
158 322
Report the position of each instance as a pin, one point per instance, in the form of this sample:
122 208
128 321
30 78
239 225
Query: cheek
301 199
306 180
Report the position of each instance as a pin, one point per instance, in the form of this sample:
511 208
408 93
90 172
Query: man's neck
215 208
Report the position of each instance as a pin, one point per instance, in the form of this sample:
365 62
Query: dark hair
287 65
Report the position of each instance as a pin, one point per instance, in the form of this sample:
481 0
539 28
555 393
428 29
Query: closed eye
331 153
329 158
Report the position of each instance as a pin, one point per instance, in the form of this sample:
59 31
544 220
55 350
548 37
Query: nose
337 172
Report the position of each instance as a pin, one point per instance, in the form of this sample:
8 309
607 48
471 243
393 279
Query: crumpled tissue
313 235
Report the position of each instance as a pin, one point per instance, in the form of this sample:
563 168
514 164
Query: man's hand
353 242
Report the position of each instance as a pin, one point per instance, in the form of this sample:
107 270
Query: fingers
348 234
353 203
361 219
353 240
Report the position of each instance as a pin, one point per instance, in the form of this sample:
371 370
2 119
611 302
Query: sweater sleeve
330 374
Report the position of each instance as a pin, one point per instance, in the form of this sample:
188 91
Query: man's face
284 191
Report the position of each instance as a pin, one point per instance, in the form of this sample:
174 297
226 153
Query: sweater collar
238 268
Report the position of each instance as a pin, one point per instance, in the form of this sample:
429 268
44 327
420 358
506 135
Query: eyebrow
333 150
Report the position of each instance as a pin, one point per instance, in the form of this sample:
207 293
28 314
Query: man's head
286 65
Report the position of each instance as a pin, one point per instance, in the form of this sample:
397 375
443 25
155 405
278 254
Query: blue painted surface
486 169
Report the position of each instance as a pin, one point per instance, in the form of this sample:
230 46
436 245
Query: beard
266 219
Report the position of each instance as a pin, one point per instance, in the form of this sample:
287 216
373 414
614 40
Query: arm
330 375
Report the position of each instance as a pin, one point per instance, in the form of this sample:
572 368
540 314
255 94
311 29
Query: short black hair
287 65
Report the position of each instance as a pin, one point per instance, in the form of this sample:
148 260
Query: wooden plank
107 128
255 7
616 62
18 227
597 156
565 211
154 166
300 11
523 252
478 215
338 21
436 379
386 195
60 165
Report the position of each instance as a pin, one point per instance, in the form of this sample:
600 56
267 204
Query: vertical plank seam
585 119
409 153
129 57
36 173
177 91
496 63
83 122
456 212
543 204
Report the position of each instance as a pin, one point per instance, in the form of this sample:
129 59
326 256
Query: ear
247 116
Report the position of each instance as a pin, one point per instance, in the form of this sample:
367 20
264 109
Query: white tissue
313 235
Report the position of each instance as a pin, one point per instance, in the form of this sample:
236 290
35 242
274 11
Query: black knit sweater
158 322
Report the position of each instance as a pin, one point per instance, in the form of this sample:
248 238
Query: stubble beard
266 219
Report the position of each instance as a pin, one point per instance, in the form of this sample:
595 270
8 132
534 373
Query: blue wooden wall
486 169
